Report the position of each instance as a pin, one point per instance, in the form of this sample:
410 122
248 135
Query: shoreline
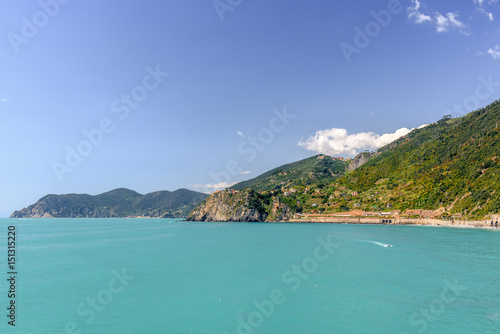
484 224
489 224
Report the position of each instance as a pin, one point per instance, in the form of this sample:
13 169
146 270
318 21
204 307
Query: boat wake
377 243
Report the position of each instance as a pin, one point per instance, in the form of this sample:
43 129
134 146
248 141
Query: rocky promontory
230 206
245 205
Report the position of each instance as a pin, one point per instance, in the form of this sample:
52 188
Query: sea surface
170 276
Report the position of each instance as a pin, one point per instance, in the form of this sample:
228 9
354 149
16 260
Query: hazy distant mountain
115 203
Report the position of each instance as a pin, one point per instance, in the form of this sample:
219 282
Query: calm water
168 276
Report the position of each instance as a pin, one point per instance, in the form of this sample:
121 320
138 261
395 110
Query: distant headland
116 203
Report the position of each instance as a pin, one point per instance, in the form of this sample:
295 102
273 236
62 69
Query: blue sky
199 94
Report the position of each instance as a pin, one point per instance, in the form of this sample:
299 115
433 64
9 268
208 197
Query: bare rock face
230 206
279 212
361 159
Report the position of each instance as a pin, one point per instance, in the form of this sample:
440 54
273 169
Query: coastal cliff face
279 211
230 206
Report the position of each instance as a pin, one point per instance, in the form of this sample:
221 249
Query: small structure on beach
495 221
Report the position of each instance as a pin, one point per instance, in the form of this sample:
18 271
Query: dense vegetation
318 169
452 166
453 163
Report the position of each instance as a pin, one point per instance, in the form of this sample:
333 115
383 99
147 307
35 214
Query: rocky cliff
279 211
230 206
361 159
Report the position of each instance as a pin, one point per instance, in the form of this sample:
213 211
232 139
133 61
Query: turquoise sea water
169 276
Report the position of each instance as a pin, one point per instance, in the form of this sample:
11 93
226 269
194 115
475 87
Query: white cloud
246 172
339 142
490 15
480 7
453 19
3 100
443 23
211 187
415 14
240 134
495 52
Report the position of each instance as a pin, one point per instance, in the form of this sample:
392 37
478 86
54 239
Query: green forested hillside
453 163
319 169
450 167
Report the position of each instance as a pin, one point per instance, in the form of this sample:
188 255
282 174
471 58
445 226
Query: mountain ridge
116 203
318 167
